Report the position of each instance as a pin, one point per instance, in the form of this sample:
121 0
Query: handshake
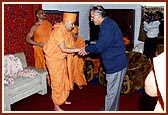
82 52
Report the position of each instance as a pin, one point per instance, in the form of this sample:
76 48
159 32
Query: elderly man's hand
41 45
82 52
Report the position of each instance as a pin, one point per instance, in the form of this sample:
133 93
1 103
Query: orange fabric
69 61
56 62
126 40
69 17
41 35
78 64
75 30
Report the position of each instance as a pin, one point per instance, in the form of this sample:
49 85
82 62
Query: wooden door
125 20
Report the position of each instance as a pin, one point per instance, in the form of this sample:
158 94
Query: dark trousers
150 47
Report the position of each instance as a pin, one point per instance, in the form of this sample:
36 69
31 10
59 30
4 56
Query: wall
18 19
84 15
83 9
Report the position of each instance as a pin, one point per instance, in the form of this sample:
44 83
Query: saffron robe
57 63
41 35
78 64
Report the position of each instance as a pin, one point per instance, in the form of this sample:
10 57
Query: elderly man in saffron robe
57 51
78 62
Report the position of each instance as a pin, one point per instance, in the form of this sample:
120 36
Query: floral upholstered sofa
20 80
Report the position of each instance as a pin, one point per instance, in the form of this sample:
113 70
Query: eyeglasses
92 17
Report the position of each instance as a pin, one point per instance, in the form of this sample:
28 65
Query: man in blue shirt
110 46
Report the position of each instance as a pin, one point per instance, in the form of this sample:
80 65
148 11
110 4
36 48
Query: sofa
24 86
138 68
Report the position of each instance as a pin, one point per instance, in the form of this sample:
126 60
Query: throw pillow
12 65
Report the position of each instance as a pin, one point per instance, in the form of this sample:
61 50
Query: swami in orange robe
78 62
57 52
41 35
40 31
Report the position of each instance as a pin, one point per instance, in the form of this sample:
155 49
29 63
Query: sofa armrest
22 58
41 72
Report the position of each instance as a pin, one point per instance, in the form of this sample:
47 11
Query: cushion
12 65
13 68
22 58
138 69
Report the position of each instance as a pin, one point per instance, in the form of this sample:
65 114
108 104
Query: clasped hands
82 52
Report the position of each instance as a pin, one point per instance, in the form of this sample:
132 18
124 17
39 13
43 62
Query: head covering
69 17
75 30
